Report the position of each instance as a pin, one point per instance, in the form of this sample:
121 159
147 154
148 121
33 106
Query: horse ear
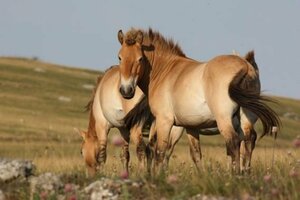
139 37
120 36
80 133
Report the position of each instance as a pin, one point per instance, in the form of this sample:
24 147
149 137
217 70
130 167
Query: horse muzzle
127 91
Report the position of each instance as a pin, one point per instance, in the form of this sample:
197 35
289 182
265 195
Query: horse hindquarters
224 110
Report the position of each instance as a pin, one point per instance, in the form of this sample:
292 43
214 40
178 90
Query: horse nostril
127 92
130 90
121 90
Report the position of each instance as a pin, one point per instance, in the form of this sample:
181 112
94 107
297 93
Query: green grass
36 125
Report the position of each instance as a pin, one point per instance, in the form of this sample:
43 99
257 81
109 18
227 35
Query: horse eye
140 59
119 58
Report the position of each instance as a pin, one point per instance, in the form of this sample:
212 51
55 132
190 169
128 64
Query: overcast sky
84 33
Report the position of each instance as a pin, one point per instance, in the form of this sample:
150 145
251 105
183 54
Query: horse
142 111
184 92
107 109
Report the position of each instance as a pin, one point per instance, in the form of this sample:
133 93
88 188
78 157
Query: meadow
42 103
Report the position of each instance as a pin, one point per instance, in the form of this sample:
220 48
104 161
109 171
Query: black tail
253 101
139 114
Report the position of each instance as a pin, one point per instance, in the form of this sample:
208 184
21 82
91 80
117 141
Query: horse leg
163 127
150 147
232 141
224 110
137 138
247 120
124 155
195 150
228 126
102 130
175 135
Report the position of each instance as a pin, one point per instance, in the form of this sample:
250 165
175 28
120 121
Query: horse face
131 58
89 152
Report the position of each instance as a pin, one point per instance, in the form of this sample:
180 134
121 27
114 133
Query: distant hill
43 101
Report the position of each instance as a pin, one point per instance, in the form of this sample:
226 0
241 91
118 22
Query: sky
84 33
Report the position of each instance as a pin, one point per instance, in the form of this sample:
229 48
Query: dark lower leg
233 150
195 149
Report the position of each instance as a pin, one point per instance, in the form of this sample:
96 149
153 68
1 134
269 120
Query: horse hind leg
150 148
163 127
125 155
225 117
137 138
247 121
175 135
195 149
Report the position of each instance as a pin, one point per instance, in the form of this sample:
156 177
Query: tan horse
193 94
142 111
107 109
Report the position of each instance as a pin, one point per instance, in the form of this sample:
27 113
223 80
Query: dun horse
107 109
192 94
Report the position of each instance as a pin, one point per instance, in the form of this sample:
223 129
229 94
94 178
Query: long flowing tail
244 96
139 114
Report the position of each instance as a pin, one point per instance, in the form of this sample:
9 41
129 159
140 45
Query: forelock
130 36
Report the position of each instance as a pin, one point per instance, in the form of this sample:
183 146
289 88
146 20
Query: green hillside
41 101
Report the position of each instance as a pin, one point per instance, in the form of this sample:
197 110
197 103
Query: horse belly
194 114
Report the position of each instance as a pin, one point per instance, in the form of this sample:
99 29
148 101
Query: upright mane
154 39
160 51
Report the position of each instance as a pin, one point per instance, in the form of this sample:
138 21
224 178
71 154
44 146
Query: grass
36 125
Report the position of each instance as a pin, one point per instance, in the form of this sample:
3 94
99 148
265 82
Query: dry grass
35 125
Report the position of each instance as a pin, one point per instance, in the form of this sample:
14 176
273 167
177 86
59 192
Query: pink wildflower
68 187
267 178
124 174
172 179
72 197
117 141
293 173
43 195
296 142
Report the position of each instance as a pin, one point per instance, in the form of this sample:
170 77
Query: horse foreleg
124 155
163 127
195 149
137 138
102 133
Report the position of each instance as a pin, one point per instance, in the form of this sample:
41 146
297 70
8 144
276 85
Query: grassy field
41 104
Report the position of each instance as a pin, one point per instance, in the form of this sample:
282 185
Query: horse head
89 151
131 59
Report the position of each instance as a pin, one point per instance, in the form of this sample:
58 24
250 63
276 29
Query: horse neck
92 125
160 63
